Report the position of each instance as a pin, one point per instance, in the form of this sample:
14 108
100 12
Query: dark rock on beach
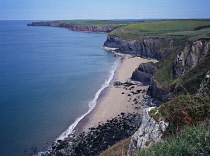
98 138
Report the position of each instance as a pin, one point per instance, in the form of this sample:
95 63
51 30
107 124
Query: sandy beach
119 98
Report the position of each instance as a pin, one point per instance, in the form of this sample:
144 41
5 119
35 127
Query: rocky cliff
178 58
145 47
144 72
191 56
148 133
77 27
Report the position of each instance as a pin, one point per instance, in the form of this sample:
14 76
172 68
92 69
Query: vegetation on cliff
97 22
190 83
190 141
181 111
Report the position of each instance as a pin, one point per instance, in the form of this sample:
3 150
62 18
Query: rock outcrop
204 89
144 72
148 133
160 94
190 57
76 27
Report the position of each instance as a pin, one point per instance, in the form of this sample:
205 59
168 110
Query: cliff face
188 68
146 47
190 57
160 94
76 27
144 72
148 133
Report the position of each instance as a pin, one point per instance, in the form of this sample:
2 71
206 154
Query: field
99 22
165 28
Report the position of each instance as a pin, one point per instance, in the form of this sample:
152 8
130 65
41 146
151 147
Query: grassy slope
119 149
189 127
164 76
168 28
182 110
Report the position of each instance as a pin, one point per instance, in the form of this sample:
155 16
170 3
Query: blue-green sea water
47 78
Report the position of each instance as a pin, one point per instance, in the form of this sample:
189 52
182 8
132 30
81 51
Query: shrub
183 110
190 141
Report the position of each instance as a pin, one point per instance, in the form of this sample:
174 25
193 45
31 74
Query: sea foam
92 103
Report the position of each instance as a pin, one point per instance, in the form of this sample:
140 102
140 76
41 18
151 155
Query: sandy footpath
119 99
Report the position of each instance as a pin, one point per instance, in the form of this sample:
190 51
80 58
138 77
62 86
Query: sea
50 78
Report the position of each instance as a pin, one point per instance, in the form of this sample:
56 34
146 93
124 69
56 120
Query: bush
183 110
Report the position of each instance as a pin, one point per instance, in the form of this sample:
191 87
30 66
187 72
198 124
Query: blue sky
102 9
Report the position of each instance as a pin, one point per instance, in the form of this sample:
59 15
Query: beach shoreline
119 103
114 100
84 122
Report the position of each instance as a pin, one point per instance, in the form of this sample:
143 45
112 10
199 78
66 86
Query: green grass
190 141
168 28
173 25
95 22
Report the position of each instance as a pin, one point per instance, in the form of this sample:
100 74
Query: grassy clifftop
96 22
92 22
165 28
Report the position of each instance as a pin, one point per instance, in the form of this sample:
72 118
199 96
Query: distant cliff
77 27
